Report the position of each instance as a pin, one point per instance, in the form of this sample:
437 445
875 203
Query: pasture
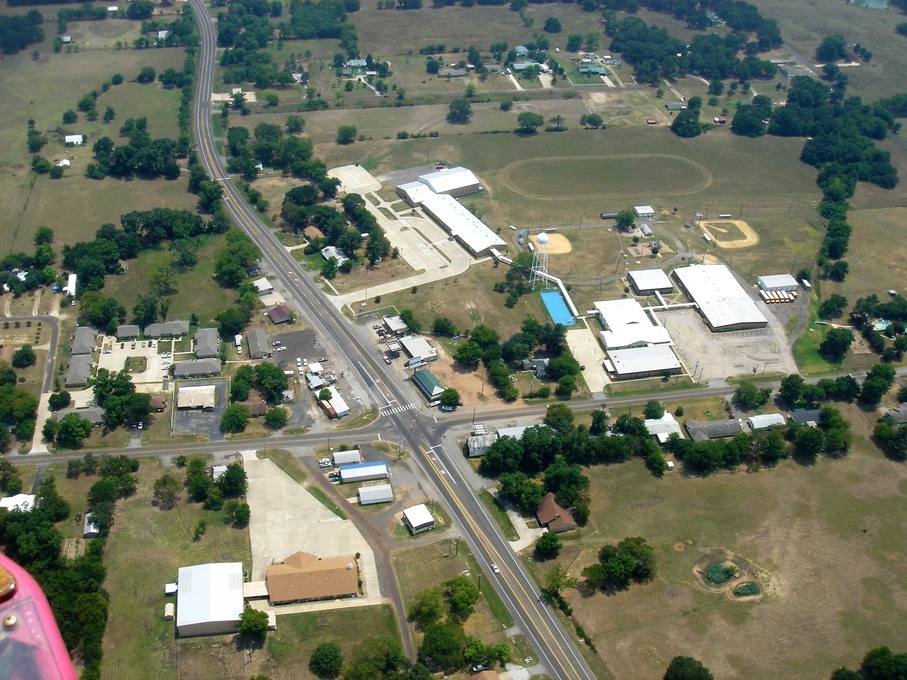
825 539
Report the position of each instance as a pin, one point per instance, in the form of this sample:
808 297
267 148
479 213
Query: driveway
588 353
286 519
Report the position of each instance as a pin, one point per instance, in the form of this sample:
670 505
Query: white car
298 361
305 362
495 569
280 349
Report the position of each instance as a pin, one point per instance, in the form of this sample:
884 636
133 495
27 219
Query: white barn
721 300
364 472
210 599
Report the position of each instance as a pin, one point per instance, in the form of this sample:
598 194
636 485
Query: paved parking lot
588 352
198 421
114 354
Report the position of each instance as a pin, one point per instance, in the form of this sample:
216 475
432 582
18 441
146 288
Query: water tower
540 262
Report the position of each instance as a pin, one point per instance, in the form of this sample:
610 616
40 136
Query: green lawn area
835 526
499 514
198 292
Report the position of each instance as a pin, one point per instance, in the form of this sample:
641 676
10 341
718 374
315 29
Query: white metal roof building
516 432
196 396
647 281
364 472
644 211
370 495
721 300
347 457
777 282
414 192
263 285
75 140
664 427
628 325
418 519
642 362
761 421
468 229
452 181
395 325
22 502
418 347
337 403
209 599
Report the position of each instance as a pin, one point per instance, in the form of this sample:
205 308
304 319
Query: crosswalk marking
397 409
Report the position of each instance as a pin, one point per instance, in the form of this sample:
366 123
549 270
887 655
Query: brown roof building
313 232
157 402
280 314
303 577
553 516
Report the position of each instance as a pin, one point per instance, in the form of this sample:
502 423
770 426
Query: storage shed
364 472
644 211
370 495
347 457
778 282
418 519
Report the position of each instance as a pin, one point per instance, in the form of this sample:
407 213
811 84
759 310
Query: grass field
198 292
826 539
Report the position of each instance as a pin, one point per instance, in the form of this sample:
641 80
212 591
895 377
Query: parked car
298 362
281 349
447 408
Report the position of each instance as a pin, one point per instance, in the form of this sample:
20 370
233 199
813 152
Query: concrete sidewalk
286 518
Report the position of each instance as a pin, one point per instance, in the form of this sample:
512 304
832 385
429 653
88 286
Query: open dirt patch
731 233
558 244
72 548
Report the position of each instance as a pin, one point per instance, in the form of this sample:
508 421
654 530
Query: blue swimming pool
557 307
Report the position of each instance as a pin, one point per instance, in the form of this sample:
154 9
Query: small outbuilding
347 457
650 281
762 421
371 495
418 519
169 611
280 314
74 140
644 211
778 282
89 528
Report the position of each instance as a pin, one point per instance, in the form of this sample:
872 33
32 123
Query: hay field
827 539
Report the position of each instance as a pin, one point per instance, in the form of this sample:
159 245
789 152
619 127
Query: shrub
718 574
747 589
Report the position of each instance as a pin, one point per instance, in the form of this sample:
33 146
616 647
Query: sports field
825 539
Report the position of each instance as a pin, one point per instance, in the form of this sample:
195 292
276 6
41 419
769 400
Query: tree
166 491
548 546
592 120
442 325
559 417
72 429
271 381
878 381
242 514
791 389
625 220
837 342
428 608
443 646
450 398
574 42
687 124
346 134
24 357
653 409
235 418
749 397
459 112
552 25
233 482
276 418
833 307
253 625
528 122
687 668
109 114
326 661
557 580
146 75
461 594
468 355
832 48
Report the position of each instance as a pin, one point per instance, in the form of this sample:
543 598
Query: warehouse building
207 344
210 599
453 182
778 282
627 325
364 472
347 457
371 495
642 362
469 231
720 298
650 281
418 519
303 577
414 193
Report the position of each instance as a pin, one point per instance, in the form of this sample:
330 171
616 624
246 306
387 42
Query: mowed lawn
145 549
827 540
197 291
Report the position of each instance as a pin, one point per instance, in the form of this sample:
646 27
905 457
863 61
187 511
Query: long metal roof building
721 300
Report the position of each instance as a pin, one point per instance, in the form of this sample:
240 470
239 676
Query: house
210 599
523 65
263 285
93 414
372 495
312 232
364 472
356 63
127 332
207 343
73 140
646 230
418 519
701 430
303 577
662 428
196 368
196 396
762 421
452 72
163 35
280 314
23 502
257 343
89 528
478 444
256 405
553 516
167 329
217 471
428 384
83 340
898 415
521 51
676 106
157 402
806 416
79 370
538 366
331 251
70 287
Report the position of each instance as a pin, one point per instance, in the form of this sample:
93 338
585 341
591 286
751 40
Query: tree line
20 30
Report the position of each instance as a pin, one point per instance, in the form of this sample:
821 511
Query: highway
557 651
